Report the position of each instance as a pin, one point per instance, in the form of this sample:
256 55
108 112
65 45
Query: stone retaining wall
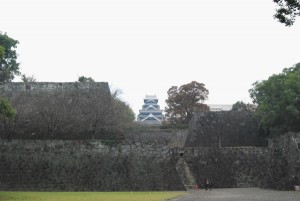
224 129
155 135
284 161
86 166
228 167
126 165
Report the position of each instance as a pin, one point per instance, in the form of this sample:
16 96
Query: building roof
150 97
219 107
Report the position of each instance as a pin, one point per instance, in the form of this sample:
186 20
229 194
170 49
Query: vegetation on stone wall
7 115
241 106
85 79
83 111
123 113
278 101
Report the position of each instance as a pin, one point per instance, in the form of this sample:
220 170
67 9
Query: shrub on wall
62 111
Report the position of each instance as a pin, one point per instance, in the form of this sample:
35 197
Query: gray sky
146 46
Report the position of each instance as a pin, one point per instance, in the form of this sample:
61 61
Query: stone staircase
185 174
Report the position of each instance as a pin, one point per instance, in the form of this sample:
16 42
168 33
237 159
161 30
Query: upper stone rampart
64 110
51 86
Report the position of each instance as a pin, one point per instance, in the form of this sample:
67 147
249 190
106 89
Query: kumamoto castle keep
67 137
150 112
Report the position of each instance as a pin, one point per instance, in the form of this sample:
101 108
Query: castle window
298 145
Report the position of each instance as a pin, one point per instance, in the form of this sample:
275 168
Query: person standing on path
207 184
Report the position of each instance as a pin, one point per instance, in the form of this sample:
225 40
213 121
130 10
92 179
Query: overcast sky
146 46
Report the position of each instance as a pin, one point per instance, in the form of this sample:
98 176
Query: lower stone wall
228 167
284 161
110 166
276 166
86 166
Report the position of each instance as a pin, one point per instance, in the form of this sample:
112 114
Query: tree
123 112
8 58
6 109
278 101
28 79
7 114
288 11
85 79
184 101
51 112
241 106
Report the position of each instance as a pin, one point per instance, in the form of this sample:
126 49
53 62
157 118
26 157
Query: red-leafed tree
184 101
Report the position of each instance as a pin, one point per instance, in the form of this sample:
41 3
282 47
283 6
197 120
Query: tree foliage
123 112
79 111
9 67
6 109
7 116
184 101
278 101
85 79
288 11
241 106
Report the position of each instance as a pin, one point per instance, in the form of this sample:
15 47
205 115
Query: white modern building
219 107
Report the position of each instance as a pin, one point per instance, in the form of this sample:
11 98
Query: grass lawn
87 196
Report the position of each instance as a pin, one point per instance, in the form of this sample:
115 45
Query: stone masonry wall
228 167
276 166
284 161
86 166
93 165
170 137
225 129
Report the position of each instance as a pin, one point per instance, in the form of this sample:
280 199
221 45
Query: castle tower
150 112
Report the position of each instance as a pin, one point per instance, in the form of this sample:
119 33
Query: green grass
87 196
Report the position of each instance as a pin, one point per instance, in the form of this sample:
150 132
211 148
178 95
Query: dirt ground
239 194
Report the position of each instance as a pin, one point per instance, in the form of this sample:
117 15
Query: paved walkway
239 194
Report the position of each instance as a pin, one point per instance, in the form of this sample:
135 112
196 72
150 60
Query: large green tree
278 101
287 11
9 67
184 101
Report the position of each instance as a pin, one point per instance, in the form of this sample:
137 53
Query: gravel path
239 194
